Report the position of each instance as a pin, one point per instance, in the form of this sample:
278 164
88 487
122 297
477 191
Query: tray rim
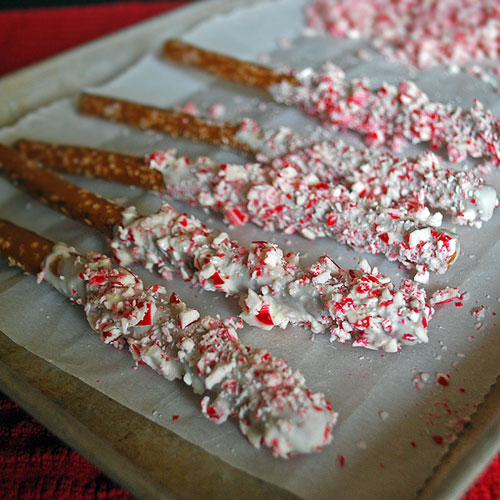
465 459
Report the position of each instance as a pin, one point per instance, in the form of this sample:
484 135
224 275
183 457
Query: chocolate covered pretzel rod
287 200
273 288
386 115
167 121
462 194
269 400
389 180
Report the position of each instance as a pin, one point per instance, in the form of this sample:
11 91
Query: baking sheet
378 405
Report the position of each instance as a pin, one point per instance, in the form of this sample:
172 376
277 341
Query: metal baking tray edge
169 467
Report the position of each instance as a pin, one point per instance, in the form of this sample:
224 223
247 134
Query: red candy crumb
438 439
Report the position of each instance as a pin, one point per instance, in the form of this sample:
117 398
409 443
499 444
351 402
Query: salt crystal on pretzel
273 288
269 400
388 115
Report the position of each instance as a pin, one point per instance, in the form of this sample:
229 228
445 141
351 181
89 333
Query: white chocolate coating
289 201
388 180
374 175
423 34
392 115
270 401
360 305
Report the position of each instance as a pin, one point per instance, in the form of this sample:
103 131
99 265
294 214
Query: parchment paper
386 427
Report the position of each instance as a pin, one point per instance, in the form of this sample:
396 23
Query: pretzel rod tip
225 67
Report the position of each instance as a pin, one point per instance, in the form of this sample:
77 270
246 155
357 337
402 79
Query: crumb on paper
420 379
384 415
361 444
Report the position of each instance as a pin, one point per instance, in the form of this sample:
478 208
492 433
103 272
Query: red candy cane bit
327 433
331 220
408 337
384 237
148 317
443 380
235 216
216 279
264 316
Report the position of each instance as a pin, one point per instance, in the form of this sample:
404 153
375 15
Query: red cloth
30 35
33 463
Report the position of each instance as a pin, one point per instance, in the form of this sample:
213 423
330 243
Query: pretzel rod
23 248
286 200
461 194
386 115
90 162
273 288
52 190
224 67
271 402
167 121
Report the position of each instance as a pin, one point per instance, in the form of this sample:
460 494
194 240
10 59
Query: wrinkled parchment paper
386 428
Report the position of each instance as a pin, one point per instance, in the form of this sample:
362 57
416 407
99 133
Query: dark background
20 4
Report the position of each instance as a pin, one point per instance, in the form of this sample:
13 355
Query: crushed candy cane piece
447 294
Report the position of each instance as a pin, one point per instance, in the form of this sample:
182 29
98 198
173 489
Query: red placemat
30 35
33 463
